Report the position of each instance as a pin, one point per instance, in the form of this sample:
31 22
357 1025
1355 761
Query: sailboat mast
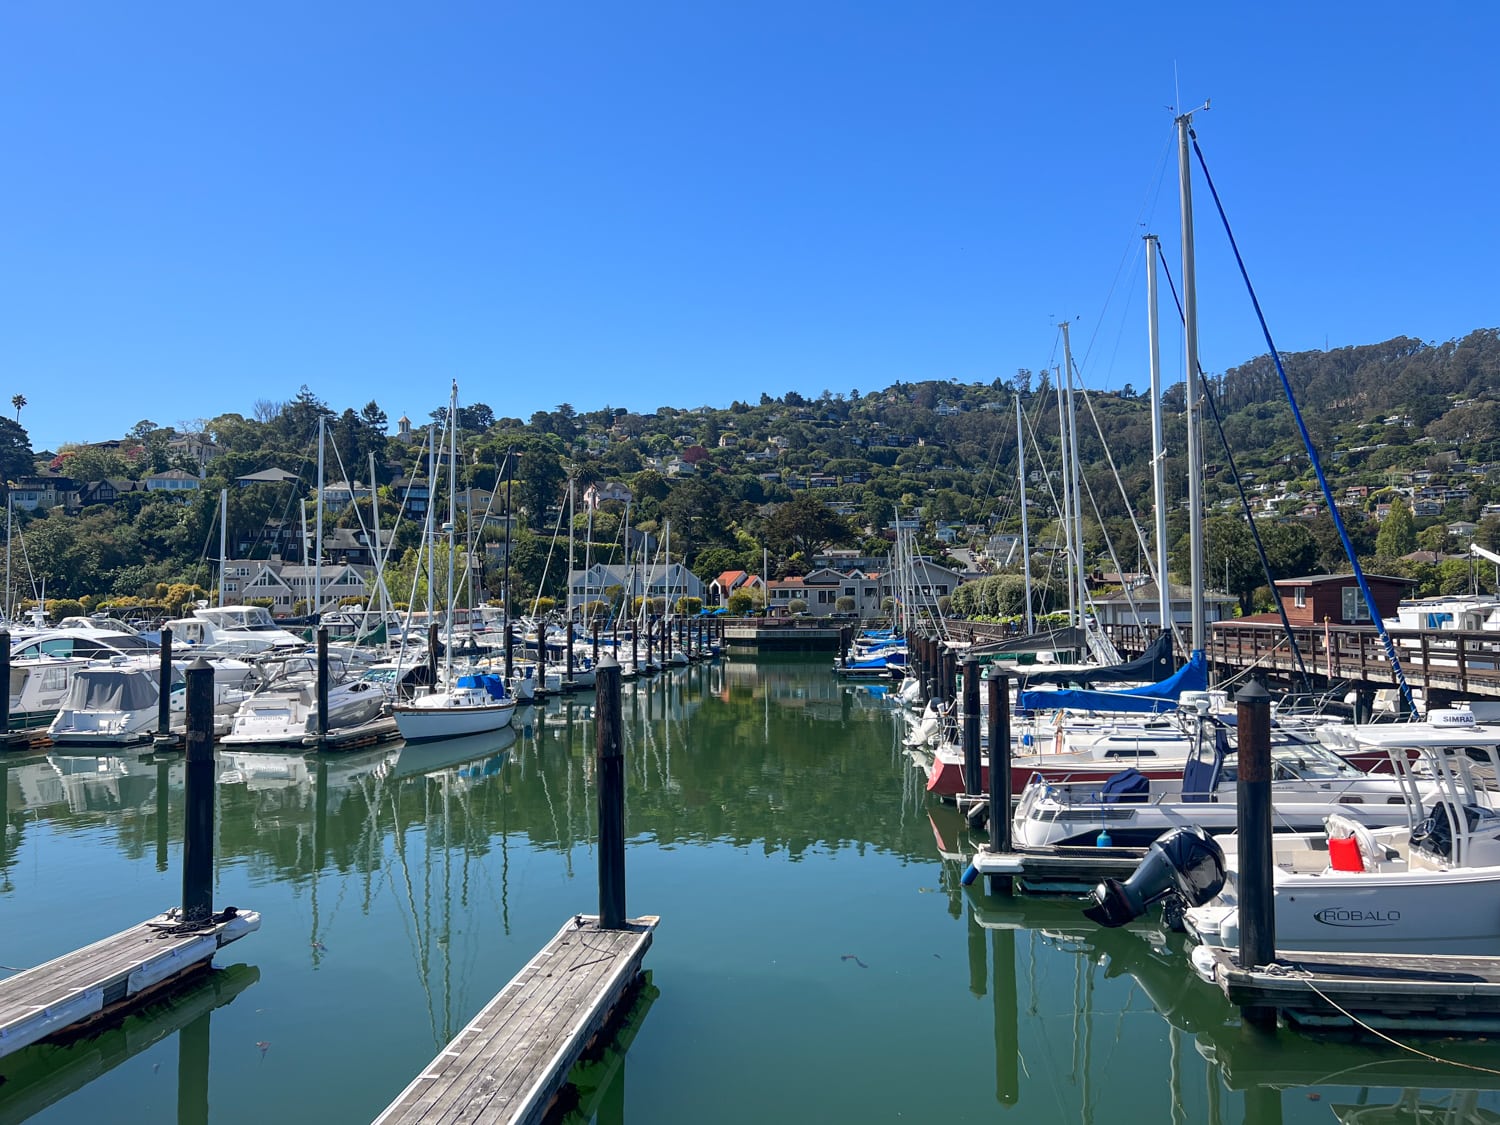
427 515
1190 337
452 519
1081 569
317 603
223 540
568 603
10 512
1158 439
1067 502
1025 529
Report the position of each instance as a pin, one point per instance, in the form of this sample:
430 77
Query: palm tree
18 401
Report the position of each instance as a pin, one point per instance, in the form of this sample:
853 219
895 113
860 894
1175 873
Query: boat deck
511 1060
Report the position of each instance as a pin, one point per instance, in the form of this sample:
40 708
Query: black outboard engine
1184 866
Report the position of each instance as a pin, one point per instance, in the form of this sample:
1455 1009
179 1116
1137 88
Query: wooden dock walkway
109 977
1406 992
511 1060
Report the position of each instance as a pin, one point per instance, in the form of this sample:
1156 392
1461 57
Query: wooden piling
999 691
322 683
510 656
650 643
5 683
596 641
610 774
432 647
164 686
972 766
1257 906
568 684
198 833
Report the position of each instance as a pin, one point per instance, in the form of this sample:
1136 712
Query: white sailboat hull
448 715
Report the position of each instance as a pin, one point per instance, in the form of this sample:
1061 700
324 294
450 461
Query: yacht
235 628
284 711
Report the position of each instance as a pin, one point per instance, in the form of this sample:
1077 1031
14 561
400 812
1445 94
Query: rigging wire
1312 453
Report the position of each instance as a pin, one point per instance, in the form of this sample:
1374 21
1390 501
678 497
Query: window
1355 608
1299 597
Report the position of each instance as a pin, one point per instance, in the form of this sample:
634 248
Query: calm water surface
817 960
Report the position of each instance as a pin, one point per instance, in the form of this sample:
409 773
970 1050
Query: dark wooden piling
322 683
635 658
5 683
510 654
432 647
999 691
198 831
1257 905
164 685
650 643
610 772
972 765
568 684
596 641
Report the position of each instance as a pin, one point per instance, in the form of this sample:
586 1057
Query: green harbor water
817 959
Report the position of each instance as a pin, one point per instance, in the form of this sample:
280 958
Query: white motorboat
1129 810
1431 885
284 710
109 704
235 629
38 686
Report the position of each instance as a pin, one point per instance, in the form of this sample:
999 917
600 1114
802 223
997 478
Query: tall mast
1190 336
1067 503
452 518
1158 439
1025 529
1081 571
568 602
317 603
375 536
427 516
10 511
223 540
505 577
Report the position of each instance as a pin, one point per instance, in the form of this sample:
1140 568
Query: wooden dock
78 990
511 1060
1391 992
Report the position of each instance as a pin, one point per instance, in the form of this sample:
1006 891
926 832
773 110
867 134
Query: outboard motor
1184 866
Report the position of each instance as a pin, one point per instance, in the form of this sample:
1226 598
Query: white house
655 581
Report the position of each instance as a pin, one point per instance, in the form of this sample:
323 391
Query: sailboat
474 702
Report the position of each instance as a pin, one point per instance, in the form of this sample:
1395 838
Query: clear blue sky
683 203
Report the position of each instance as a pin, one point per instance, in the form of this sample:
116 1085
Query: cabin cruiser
38 686
87 643
283 710
1430 885
234 629
117 702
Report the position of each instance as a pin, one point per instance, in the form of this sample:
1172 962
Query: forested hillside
1398 423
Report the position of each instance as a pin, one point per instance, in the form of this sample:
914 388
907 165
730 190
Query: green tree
1397 535
804 524
15 450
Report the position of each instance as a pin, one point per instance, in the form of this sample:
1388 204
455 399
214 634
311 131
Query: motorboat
1430 885
38 686
110 704
284 709
1308 784
234 629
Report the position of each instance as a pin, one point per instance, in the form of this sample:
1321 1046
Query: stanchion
1257 904
198 834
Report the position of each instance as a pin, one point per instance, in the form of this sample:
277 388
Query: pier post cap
606 662
200 665
1252 693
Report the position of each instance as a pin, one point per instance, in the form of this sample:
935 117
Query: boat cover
1155 663
1157 697
110 689
493 685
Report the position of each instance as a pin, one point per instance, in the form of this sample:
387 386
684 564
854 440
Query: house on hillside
730 581
602 492
175 482
267 476
655 581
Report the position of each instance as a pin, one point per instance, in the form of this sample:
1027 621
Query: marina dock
72 993
514 1056
1386 991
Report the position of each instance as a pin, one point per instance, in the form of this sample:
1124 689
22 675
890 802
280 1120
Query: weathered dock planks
108 977
1408 992
514 1056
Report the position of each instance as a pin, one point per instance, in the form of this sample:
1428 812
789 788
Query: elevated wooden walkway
514 1056
77 990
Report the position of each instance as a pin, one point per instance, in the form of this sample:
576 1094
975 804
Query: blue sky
684 203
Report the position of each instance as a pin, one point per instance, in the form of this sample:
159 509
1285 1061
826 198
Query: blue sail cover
1151 698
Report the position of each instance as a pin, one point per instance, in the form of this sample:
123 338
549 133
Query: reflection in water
404 885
